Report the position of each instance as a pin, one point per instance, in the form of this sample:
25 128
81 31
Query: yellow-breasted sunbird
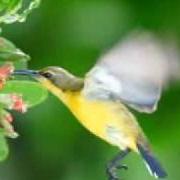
132 74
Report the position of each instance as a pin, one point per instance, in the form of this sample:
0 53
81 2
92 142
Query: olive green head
57 76
62 78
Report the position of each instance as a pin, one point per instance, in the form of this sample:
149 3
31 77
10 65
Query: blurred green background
72 34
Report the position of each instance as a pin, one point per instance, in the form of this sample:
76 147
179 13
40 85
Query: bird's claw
114 165
111 171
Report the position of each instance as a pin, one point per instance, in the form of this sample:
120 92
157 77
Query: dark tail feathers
152 164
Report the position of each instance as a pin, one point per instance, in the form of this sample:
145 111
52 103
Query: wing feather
133 72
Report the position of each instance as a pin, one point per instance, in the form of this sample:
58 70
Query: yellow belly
108 120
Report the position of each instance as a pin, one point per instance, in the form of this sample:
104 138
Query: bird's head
55 76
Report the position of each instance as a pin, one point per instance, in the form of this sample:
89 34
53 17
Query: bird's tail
152 164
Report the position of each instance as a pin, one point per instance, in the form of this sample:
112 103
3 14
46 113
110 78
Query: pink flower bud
5 72
18 103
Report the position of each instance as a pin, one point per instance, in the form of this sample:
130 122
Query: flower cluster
9 102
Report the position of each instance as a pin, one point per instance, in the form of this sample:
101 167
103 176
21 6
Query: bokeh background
72 34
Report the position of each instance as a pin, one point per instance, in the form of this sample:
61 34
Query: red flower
10 102
18 103
5 72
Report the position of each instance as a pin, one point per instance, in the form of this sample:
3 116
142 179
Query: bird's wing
133 72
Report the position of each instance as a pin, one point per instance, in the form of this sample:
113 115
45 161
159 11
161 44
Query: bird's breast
109 120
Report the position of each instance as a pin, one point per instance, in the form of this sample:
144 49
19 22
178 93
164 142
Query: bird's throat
56 91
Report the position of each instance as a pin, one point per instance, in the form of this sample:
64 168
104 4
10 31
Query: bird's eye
46 74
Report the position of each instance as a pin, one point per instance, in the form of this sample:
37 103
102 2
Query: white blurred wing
133 72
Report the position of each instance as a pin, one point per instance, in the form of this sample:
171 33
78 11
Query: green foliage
10 53
11 10
16 94
32 93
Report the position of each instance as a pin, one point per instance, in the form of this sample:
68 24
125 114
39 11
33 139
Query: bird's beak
26 72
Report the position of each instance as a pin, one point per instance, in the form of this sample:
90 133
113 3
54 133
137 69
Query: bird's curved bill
26 72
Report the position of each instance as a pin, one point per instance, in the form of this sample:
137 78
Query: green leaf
4 150
9 52
10 10
10 5
33 93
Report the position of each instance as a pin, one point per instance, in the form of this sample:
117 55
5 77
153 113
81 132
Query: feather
152 164
134 72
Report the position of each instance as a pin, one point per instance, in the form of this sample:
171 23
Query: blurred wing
133 72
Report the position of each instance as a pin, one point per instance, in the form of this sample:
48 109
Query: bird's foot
113 166
111 171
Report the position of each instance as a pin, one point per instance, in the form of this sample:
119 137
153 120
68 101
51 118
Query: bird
131 75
